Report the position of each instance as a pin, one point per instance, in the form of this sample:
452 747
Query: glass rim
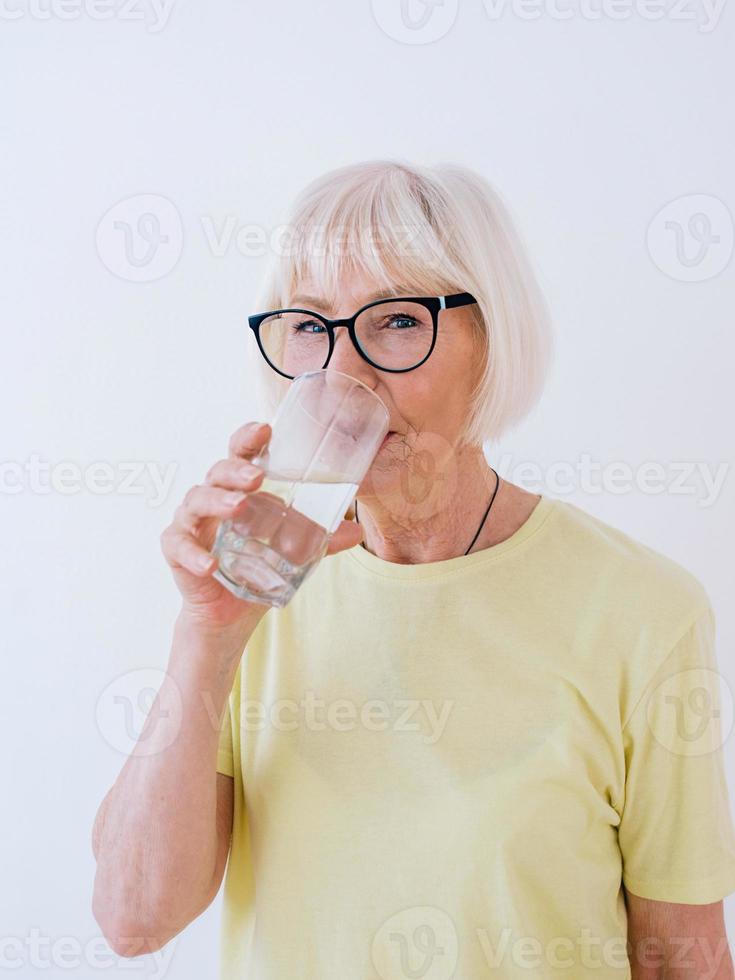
349 377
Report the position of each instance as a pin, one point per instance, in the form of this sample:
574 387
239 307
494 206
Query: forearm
699 958
677 941
156 833
689 959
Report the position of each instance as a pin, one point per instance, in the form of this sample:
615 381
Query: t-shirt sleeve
225 755
676 827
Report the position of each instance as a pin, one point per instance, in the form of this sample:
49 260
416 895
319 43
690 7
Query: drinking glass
325 434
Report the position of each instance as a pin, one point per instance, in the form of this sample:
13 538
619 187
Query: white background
588 125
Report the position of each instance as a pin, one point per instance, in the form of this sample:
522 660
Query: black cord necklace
497 484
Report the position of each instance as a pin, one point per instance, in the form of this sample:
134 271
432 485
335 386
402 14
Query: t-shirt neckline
390 569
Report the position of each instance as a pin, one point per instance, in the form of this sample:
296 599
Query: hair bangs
381 229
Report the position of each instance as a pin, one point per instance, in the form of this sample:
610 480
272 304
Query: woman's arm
675 941
162 833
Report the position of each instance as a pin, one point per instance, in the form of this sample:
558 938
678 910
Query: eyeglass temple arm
457 299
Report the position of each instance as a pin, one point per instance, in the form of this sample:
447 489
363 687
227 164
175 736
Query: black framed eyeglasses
396 334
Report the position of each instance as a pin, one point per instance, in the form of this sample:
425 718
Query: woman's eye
302 327
409 320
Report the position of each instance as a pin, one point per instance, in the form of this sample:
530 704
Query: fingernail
233 499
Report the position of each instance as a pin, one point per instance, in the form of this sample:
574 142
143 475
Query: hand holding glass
325 435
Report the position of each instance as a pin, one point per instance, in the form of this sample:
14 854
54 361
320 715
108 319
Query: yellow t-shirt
446 769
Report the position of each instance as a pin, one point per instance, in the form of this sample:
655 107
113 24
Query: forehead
352 293
320 303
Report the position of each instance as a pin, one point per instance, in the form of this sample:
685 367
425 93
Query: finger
249 439
183 550
234 474
347 535
201 501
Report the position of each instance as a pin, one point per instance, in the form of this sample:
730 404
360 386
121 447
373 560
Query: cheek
418 396
432 400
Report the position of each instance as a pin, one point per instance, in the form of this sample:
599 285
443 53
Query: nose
345 358
364 411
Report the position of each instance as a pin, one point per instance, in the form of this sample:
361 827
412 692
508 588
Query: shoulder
626 605
642 582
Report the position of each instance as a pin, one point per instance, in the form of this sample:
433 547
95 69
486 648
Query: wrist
210 643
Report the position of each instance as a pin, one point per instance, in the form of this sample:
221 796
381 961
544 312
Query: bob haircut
422 231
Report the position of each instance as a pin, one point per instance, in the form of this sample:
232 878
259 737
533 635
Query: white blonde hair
423 231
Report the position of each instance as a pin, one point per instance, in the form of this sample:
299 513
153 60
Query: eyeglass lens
394 334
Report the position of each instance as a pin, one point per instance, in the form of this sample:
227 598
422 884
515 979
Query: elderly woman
482 739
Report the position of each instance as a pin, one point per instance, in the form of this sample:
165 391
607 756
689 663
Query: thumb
347 535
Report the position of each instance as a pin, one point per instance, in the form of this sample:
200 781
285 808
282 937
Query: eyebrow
317 303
